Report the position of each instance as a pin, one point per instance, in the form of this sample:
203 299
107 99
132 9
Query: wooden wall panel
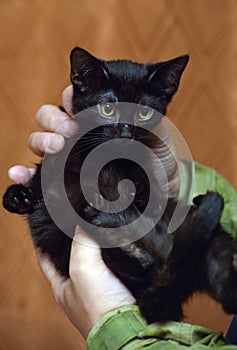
36 39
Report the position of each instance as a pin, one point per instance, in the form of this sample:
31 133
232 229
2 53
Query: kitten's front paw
208 212
19 199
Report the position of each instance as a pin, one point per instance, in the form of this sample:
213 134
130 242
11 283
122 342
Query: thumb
85 252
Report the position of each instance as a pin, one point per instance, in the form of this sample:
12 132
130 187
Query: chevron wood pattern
35 43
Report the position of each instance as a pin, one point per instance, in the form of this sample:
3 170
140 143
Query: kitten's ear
86 70
166 75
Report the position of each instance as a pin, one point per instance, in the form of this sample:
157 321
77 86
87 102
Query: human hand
92 289
57 126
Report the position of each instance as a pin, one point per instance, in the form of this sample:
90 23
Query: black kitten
161 269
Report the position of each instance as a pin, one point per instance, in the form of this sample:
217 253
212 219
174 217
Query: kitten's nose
126 132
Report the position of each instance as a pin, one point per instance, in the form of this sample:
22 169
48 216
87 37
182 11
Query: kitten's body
161 269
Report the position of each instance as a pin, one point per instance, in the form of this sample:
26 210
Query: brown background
36 38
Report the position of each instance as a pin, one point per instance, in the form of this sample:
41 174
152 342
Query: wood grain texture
34 68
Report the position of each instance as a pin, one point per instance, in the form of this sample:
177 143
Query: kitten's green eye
145 113
107 109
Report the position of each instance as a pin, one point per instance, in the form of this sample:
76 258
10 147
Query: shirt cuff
116 329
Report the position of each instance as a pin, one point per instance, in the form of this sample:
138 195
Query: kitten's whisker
86 145
76 137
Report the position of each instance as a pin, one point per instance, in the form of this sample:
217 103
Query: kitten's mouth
125 142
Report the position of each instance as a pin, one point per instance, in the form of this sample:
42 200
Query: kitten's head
108 84
96 81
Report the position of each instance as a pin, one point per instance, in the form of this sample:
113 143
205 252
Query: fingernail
54 144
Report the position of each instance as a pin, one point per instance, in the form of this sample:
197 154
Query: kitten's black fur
161 269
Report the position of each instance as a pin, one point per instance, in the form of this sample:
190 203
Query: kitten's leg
197 229
161 304
221 271
208 212
102 222
19 199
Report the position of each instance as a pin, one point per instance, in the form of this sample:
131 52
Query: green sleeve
126 329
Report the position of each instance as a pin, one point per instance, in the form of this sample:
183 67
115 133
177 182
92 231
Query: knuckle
42 111
37 142
47 116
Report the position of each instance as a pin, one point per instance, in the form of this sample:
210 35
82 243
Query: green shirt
126 329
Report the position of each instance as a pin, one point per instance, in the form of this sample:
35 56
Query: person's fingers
46 266
41 142
67 99
57 281
52 119
20 174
